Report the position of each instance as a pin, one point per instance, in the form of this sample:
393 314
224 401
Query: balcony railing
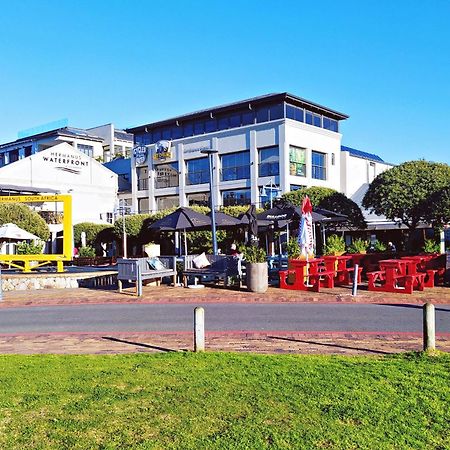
143 184
166 182
235 173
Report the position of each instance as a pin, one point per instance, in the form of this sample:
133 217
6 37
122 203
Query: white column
182 170
217 198
283 148
254 161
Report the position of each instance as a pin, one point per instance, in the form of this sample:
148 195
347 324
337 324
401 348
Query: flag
305 233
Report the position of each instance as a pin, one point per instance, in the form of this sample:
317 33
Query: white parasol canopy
13 232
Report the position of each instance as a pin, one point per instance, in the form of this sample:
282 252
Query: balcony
235 173
143 184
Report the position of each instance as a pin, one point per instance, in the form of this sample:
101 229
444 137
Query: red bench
299 281
391 282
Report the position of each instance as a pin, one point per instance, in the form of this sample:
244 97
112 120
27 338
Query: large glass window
262 114
236 197
197 171
248 118
276 111
318 166
86 149
309 118
142 178
269 161
143 205
210 125
297 161
166 175
171 201
236 166
198 198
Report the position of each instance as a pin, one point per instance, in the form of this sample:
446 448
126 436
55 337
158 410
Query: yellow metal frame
44 259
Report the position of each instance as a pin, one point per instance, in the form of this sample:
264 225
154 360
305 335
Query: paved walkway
309 343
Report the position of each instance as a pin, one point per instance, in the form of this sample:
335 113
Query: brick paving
347 343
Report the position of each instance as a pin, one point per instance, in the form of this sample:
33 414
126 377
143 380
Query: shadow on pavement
405 305
139 344
361 349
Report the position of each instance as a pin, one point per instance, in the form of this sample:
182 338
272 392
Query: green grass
224 401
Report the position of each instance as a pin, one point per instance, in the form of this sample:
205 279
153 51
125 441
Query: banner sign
163 150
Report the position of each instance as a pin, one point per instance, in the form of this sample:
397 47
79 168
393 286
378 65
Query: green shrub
254 254
335 244
431 246
92 230
379 247
293 248
26 248
87 252
358 246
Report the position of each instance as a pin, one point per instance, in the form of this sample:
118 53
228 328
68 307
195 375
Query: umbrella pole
185 243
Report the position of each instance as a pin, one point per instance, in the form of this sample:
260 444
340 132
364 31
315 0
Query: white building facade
264 146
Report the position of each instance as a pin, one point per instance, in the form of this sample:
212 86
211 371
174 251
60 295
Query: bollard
355 280
199 329
139 281
429 327
1 286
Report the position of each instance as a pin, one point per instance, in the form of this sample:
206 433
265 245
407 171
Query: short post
429 327
199 329
139 281
1 285
355 280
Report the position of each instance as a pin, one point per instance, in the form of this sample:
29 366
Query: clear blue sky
385 63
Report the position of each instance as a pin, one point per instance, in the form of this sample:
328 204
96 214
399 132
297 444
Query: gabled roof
361 154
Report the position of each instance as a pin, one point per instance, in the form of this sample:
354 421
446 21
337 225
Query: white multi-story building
264 146
116 143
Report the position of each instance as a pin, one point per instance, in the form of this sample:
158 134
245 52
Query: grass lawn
224 401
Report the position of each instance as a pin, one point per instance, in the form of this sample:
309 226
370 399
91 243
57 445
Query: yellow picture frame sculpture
43 259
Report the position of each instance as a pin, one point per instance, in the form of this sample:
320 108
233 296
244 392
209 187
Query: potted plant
358 246
335 246
431 246
256 268
379 247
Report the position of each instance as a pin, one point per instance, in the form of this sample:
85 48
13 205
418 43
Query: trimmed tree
24 217
330 199
440 200
405 192
92 230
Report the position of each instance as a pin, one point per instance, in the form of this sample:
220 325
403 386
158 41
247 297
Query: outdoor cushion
155 263
201 261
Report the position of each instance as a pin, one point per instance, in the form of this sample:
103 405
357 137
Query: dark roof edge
268 98
361 154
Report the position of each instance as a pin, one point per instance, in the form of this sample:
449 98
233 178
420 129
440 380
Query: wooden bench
128 270
221 268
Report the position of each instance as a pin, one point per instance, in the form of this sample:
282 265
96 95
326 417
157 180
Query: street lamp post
210 152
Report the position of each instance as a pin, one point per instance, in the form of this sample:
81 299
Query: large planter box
257 277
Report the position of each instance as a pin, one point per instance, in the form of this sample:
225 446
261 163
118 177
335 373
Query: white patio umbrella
12 232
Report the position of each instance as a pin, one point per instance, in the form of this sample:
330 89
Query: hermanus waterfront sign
66 162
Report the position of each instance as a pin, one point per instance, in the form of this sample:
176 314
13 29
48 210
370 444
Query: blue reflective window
334 125
223 123
188 129
197 171
326 123
147 139
317 120
166 133
236 166
138 139
262 114
236 197
290 112
235 120
177 132
248 118
309 118
276 111
199 127
299 114
156 135
210 125
269 161
318 167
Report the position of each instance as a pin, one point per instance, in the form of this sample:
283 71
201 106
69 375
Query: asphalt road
220 317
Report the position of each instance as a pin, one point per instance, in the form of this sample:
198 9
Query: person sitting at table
391 247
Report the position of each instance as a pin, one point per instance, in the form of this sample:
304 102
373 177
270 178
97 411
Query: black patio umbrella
224 220
182 219
252 221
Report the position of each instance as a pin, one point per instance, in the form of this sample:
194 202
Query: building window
333 159
110 217
309 117
143 206
86 149
198 198
142 177
106 153
317 120
297 161
166 175
118 151
236 197
269 162
318 167
171 201
27 151
197 171
296 187
236 166
128 152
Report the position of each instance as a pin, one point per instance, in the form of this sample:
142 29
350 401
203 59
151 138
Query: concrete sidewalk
348 343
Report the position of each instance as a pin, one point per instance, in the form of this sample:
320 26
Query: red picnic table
343 266
308 275
418 263
393 276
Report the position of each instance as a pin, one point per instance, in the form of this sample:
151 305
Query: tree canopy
330 199
405 193
441 212
24 217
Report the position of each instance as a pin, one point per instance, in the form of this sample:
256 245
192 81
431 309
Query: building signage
140 154
163 150
67 162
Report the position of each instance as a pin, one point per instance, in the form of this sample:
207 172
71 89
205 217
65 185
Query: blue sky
384 63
